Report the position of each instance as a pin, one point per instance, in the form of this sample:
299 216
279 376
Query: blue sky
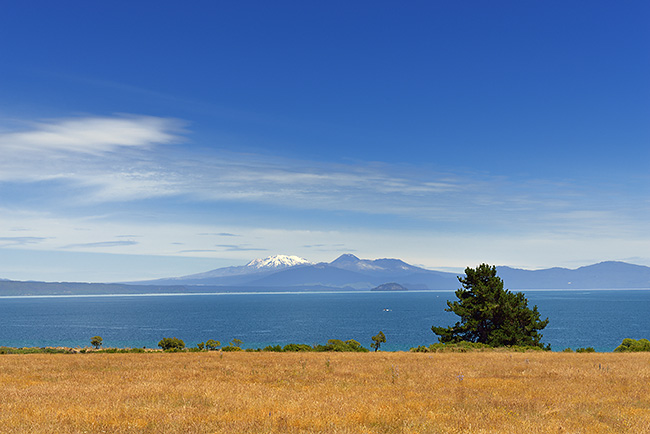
154 139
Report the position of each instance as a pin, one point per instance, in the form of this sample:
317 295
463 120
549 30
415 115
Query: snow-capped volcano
240 274
277 262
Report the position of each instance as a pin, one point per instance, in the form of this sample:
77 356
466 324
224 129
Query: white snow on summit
278 261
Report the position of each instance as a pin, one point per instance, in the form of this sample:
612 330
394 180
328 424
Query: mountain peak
277 262
345 258
386 266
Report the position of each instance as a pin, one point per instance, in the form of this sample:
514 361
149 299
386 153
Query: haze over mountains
347 272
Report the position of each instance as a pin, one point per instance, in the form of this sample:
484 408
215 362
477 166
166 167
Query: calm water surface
599 319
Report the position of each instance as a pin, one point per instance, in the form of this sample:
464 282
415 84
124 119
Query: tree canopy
377 340
490 314
96 341
633 345
212 345
171 344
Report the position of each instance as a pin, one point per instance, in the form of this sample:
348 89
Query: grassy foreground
240 392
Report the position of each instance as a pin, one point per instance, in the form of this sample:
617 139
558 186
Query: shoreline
360 291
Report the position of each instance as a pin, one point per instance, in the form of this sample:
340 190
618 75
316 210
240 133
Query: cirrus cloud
79 164
91 135
100 244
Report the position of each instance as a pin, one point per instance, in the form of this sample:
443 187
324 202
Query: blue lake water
599 319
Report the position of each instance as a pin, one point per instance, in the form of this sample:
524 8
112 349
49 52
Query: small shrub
212 345
297 348
171 344
585 350
33 350
355 346
49 350
338 345
633 345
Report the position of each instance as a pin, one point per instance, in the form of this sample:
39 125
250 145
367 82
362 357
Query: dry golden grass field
486 392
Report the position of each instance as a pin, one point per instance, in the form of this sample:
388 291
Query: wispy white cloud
100 244
460 216
80 154
362 187
90 135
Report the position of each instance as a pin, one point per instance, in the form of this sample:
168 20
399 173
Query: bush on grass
633 345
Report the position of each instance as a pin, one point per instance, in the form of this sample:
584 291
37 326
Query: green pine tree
490 314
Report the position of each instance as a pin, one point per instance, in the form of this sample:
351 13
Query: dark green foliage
338 345
459 347
332 345
585 350
297 348
212 345
567 350
96 341
235 345
377 340
633 345
466 347
35 350
46 350
200 346
171 344
355 346
490 314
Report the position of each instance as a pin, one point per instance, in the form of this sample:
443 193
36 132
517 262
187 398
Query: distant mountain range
347 272
604 275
